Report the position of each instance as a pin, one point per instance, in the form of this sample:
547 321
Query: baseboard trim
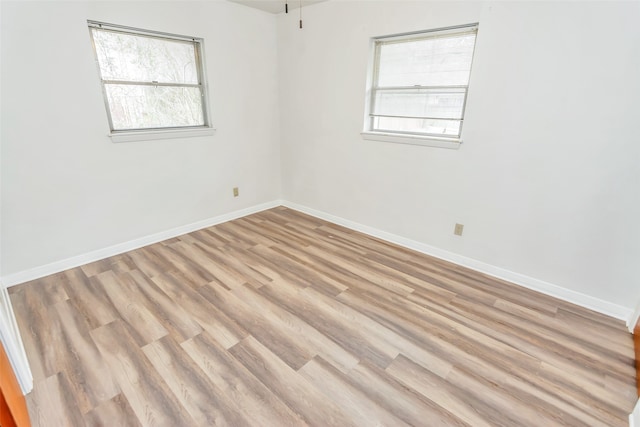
583 300
634 417
633 320
76 261
12 342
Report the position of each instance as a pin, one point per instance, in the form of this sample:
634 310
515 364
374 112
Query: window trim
164 133
141 134
434 140
412 139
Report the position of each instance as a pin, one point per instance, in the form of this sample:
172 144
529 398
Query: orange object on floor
13 406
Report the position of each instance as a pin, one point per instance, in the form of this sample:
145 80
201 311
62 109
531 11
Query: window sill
150 135
428 141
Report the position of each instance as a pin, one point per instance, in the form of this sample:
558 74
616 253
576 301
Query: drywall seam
65 264
583 300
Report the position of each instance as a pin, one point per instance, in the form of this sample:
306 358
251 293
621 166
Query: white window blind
150 80
420 82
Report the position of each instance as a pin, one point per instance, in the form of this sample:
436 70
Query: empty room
319 213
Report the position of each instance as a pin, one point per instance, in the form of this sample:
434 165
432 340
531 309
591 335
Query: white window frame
431 140
151 133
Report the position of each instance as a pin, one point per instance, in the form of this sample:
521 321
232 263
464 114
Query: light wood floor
281 319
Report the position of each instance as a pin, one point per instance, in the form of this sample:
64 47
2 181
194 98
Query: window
150 81
419 84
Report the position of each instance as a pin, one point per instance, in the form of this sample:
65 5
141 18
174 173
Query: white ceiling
275 6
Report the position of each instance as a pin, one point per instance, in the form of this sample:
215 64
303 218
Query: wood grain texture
282 319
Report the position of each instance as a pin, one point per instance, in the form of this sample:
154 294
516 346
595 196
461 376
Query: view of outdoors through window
420 83
150 81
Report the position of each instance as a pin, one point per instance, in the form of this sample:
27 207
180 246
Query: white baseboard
568 295
633 319
634 417
12 342
76 261
583 300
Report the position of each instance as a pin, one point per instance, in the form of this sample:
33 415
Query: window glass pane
450 128
131 57
436 61
434 103
139 107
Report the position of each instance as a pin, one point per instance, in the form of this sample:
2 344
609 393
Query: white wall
546 182
1 145
9 333
67 189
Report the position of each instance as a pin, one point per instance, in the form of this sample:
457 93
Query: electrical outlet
236 192
458 230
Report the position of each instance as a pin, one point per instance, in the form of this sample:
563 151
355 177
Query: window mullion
417 117
145 83
417 87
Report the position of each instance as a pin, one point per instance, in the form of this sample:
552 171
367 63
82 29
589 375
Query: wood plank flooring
281 319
